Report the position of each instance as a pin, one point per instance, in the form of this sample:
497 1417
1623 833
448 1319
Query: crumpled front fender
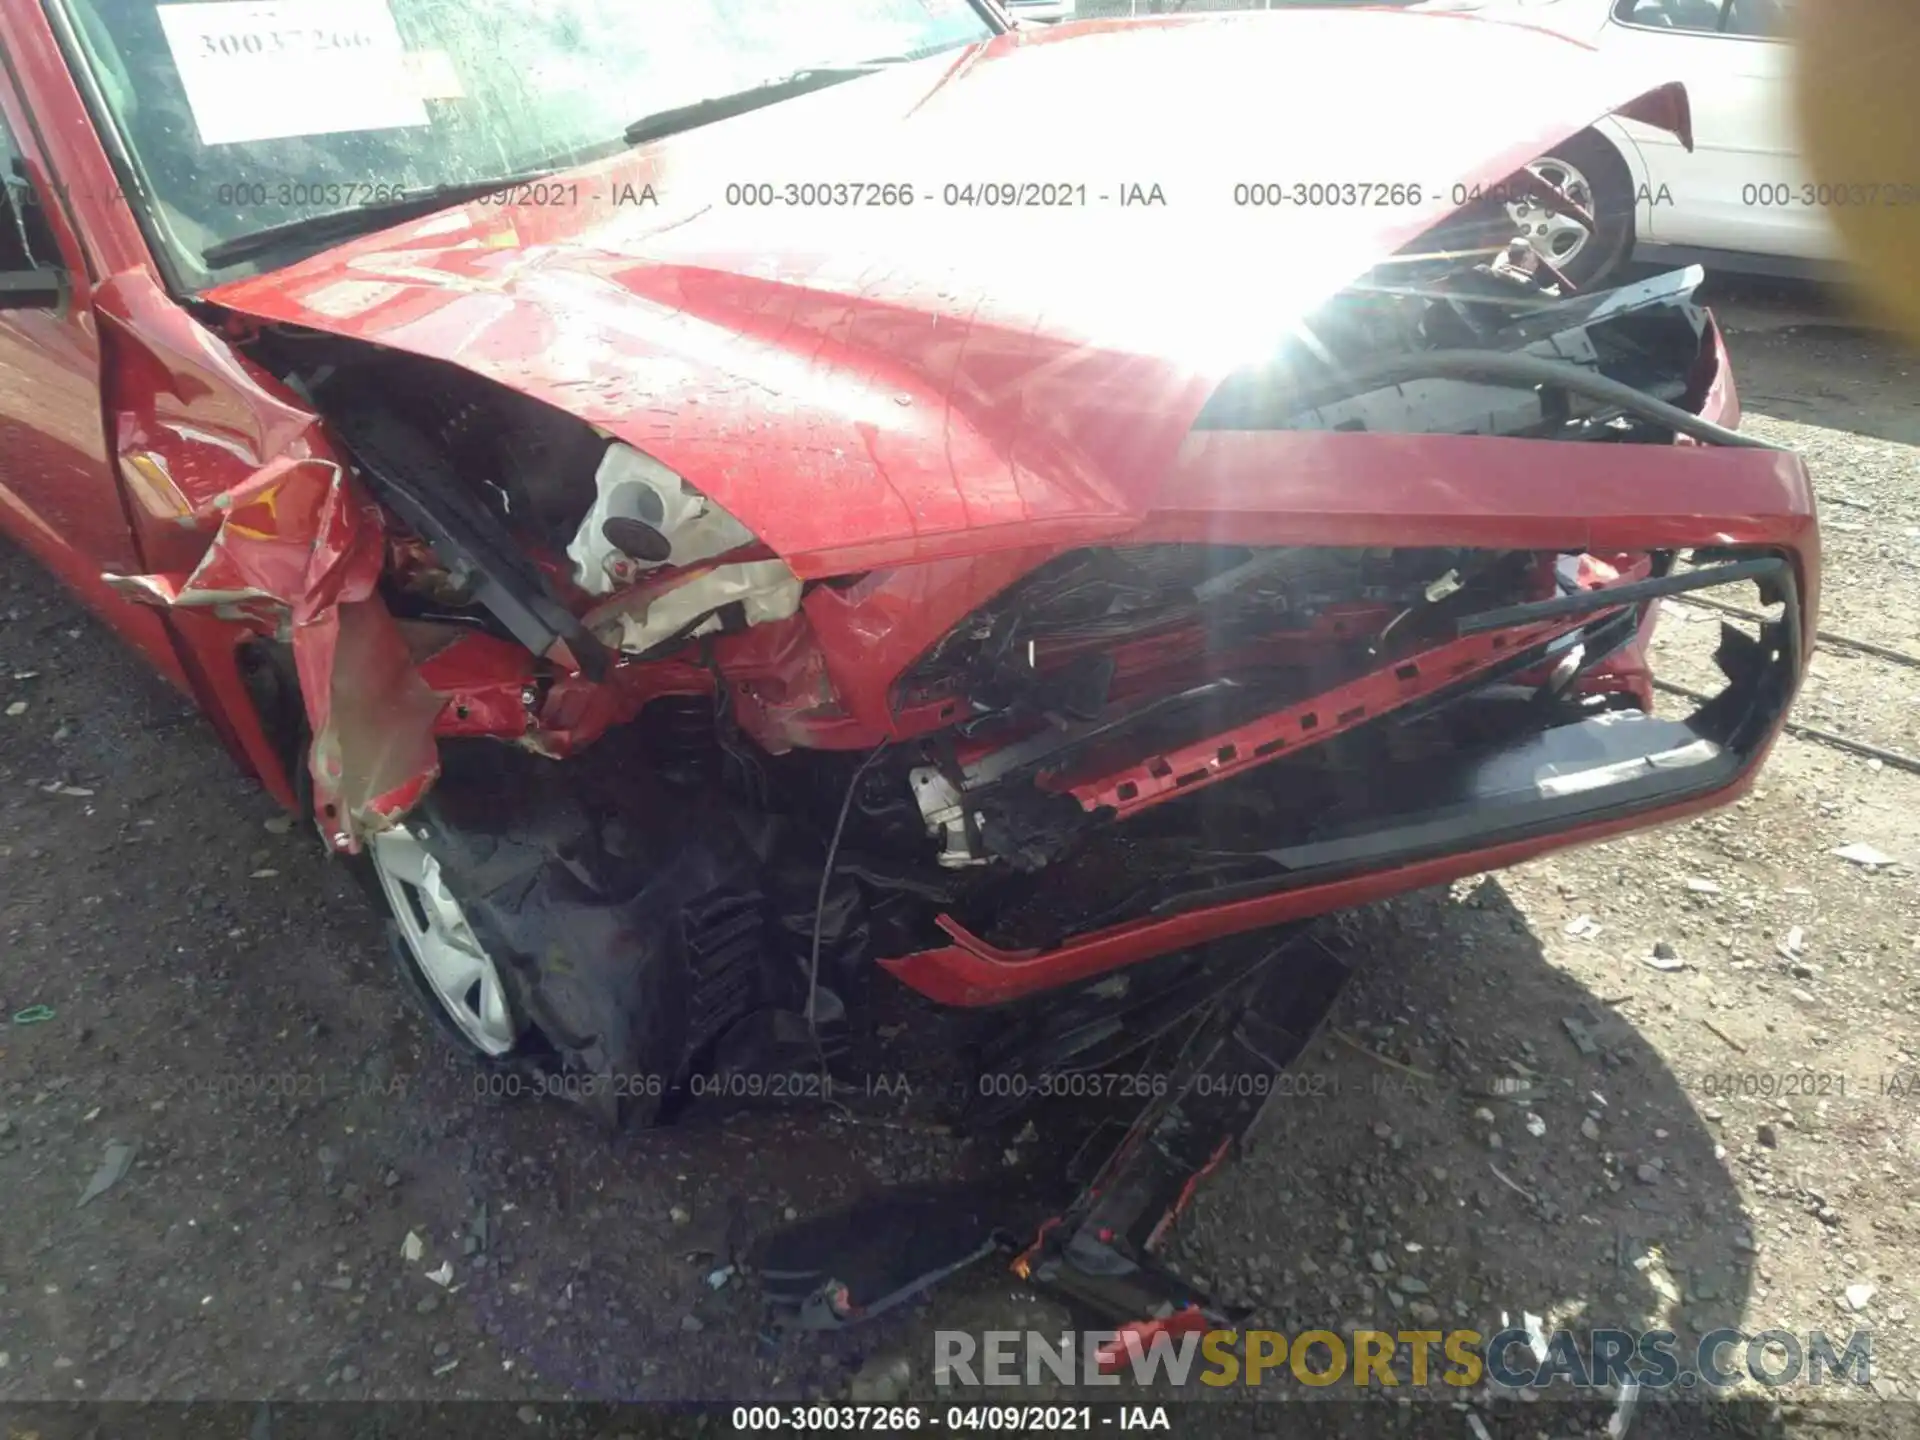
242 509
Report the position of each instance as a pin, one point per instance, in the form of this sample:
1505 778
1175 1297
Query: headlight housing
645 517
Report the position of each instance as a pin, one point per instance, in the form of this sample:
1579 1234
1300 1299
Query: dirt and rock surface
1670 1080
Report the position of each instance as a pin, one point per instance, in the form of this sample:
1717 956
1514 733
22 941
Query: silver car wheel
1554 237
457 970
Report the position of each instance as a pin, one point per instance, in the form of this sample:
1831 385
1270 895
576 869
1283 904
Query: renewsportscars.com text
1509 1359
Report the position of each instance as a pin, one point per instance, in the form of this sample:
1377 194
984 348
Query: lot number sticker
270 69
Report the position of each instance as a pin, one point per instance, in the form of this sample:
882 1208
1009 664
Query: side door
1739 188
60 494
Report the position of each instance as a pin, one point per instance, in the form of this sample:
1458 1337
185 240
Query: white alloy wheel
454 967
1555 237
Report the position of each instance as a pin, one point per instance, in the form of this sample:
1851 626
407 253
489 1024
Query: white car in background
1741 199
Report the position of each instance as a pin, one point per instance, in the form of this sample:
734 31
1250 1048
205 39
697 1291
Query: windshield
241 115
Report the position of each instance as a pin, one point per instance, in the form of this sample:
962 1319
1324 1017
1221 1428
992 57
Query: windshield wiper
725 107
358 219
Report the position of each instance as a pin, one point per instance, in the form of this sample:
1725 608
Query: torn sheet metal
245 511
377 754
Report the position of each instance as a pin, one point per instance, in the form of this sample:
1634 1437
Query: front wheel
443 964
1589 171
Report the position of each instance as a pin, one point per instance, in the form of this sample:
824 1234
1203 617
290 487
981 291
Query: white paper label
269 69
434 75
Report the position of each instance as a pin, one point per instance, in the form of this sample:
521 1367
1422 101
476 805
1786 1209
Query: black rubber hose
1520 369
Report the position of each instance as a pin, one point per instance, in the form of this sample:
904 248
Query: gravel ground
1726 1137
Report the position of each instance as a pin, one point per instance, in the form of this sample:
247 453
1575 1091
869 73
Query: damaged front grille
1489 694
1108 659
1096 625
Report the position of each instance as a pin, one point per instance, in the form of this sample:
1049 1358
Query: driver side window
1692 16
1764 19
26 241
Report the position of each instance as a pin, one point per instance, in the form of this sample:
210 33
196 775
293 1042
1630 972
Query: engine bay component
725 597
944 810
643 517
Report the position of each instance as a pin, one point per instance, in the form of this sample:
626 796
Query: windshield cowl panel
239 118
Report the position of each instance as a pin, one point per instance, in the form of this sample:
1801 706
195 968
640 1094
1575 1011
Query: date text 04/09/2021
970 194
959 1419
1807 1084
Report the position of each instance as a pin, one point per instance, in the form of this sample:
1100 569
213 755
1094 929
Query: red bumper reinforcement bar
1321 717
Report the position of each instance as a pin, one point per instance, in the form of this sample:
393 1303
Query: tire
608 955
1592 172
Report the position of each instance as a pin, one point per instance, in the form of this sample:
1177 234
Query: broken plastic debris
718 1279
1512 1184
1622 1416
1865 855
33 1015
114 1165
1581 1034
1582 927
442 1277
1701 886
18 707
1660 1282
1536 1127
412 1248
1664 962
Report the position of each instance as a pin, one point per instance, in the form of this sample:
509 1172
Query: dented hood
1006 279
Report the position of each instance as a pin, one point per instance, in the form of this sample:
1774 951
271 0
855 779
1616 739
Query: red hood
866 382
